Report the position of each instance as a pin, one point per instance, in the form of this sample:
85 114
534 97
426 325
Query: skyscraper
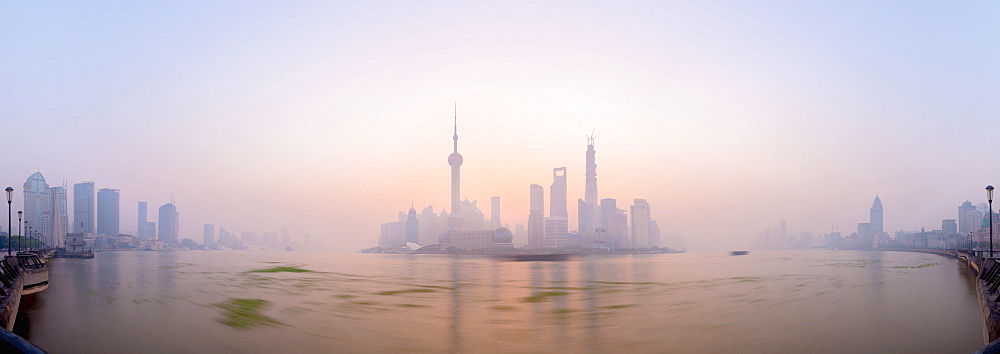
590 194
584 217
640 223
141 227
83 207
968 220
557 224
209 235
555 232
45 209
614 223
60 212
107 212
876 216
412 226
455 161
557 193
537 199
169 223
536 217
495 213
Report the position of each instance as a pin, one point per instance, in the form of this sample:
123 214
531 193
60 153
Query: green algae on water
245 313
542 296
279 269
394 292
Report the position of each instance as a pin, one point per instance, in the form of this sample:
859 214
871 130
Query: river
767 301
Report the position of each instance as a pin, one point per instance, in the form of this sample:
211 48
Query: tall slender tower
455 221
875 216
590 195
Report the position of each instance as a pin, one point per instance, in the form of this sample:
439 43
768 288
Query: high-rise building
949 226
455 161
60 210
429 226
876 216
45 210
107 212
537 199
169 223
614 223
536 217
654 234
967 218
495 213
472 217
866 238
557 193
393 235
584 217
83 207
590 194
556 232
143 218
640 223
412 226
209 235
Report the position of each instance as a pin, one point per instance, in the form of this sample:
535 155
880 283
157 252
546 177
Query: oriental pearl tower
456 220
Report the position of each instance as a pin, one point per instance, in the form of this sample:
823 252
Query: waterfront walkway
22 274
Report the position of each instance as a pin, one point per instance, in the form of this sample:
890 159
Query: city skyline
757 112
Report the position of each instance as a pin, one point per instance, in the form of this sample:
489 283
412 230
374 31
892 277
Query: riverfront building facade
83 207
169 223
45 209
108 212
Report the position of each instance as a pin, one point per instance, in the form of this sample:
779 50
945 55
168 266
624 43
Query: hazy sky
332 117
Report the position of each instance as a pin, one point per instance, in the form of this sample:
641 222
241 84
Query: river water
767 301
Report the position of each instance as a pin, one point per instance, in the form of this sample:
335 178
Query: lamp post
10 196
989 198
19 214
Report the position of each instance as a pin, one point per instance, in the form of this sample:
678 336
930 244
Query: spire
455 137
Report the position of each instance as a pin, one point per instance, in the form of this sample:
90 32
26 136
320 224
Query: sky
331 117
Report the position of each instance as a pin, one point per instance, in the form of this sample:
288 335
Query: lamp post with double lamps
10 197
989 198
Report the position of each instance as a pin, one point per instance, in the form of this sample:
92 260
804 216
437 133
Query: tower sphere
455 159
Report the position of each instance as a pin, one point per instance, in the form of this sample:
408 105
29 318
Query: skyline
329 118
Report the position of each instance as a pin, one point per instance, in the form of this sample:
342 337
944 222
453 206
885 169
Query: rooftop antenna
591 137
455 137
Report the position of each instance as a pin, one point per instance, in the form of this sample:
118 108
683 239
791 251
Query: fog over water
769 301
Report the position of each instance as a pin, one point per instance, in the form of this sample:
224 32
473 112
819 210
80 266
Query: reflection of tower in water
456 307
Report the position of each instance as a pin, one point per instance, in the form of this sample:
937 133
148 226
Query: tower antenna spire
455 137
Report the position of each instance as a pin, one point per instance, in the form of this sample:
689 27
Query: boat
739 253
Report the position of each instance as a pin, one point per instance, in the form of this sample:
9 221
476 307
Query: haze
331 118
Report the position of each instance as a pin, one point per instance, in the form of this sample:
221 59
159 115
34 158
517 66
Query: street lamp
19 214
989 197
10 196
